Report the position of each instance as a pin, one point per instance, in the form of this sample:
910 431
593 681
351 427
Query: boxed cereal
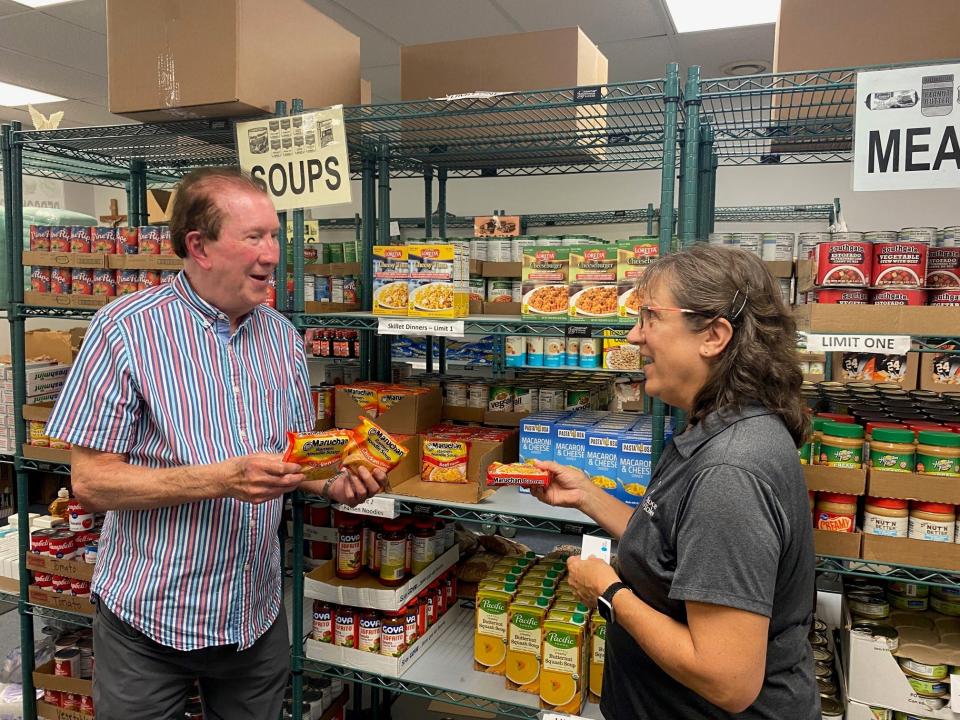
544 290
432 285
633 256
592 278
391 274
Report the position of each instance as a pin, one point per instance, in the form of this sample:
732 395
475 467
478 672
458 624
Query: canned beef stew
844 263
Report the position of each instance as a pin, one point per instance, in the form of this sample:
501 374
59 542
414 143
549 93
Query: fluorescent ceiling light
695 15
13 95
41 3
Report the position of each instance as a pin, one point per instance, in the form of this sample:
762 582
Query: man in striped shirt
177 407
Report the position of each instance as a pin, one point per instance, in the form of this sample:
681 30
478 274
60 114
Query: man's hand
353 485
260 477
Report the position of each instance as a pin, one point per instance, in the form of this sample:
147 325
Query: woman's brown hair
760 363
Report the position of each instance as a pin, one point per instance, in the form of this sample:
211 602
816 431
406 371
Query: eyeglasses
643 312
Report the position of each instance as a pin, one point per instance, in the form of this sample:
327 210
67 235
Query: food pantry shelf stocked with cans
611 351
511 249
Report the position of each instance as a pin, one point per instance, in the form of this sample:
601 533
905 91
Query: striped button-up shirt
160 381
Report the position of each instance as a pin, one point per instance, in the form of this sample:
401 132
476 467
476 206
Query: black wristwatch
605 601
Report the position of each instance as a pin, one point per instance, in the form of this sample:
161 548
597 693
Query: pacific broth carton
564 670
524 643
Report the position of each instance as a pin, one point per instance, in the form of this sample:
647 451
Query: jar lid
892 435
818 423
836 417
945 439
889 503
841 498
843 429
935 508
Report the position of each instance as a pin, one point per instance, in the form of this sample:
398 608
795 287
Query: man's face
243 258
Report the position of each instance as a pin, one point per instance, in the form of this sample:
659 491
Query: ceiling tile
603 21
642 59
47 37
89 14
50 77
422 21
713 49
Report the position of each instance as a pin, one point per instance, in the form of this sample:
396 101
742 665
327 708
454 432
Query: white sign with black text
907 129
303 159
881 344
420 326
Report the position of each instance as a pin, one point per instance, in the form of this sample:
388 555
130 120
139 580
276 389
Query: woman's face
676 358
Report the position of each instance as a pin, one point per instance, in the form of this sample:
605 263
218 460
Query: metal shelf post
298 298
428 201
384 345
368 199
691 152
703 189
280 274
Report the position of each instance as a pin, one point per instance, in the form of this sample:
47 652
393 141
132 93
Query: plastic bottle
58 508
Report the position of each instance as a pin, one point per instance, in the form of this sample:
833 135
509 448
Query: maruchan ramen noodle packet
367 445
315 451
519 474
373 448
445 458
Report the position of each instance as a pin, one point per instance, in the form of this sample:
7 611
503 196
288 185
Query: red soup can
943 267
70 701
127 281
40 279
103 240
905 296
899 264
842 296
79 239
61 281
948 298
80 588
60 584
81 280
40 238
59 238
86 704
148 279
40 541
44 581
844 263
63 545
127 241
150 239
65 663
51 697
105 282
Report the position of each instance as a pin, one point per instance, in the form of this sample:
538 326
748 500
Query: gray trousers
136 677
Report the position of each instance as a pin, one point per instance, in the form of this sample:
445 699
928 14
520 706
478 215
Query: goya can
61 282
899 264
844 263
40 279
79 239
60 238
40 238
81 280
103 240
105 282
149 239
845 296
898 296
128 241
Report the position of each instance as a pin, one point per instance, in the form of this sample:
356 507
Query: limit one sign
880 344
907 133
302 159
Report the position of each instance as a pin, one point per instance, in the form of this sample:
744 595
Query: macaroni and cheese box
536 435
601 459
570 440
633 257
634 468
592 279
544 287
391 279
432 288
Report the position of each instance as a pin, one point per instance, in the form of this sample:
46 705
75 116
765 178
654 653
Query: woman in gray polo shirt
710 613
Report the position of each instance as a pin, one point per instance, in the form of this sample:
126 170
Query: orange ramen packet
518 474
315 451
373 447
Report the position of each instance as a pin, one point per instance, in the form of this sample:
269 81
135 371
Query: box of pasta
544 285
432 286
391 276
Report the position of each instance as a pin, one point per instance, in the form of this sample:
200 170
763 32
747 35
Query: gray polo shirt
726 521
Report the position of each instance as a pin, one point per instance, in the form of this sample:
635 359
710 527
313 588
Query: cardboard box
913 486
880 319
366 92
43 677
410 416
46 454
59 259
43 378
144 262
50 712
504 419
780 268
366 590
160 75
83 302
329 308
872 368
333 269
940 372
837 544
68 603
490 269
874 676
382 665
907 551
501 308
463 414
59 345
66 568
822 478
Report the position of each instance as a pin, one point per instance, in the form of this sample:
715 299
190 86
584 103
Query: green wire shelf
887 571
42 611
474 324
30 464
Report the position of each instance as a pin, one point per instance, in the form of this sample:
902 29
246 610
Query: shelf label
879 344
588 94
579 331
394 229
377 506
560 716
420 326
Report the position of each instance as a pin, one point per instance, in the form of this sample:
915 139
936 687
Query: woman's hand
589 578
568 486
353 485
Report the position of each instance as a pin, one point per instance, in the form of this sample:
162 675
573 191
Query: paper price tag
373 507
394 229
421 326
594 546
879 344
